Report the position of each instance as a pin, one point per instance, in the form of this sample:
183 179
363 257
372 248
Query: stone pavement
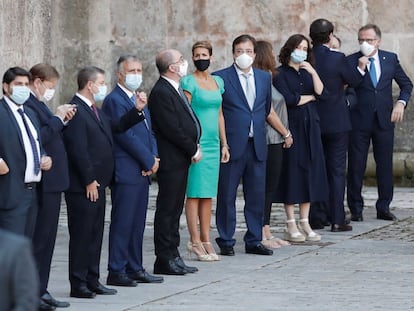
369 268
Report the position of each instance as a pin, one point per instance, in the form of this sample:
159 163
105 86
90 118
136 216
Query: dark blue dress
303 177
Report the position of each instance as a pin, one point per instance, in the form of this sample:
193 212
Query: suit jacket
89 144
89 147
335 72
18 275
238 115
134 150
57 178
173 125
12 151
378 100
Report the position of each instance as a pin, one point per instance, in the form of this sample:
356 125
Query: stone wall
73 33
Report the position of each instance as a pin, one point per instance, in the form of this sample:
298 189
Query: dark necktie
35 151
187 104
95 110
372 71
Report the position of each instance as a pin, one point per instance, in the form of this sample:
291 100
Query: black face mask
202 64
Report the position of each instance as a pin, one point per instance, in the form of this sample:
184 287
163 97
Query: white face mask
48 95
183 69
133 81
244 61
100 96
366 48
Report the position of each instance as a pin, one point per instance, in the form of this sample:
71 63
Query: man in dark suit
18 277
88 141
246 105
44 78
335 123
178 133
20 149
136 158
373 119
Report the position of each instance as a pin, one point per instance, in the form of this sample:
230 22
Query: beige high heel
293 236
310 235
210 250
199 251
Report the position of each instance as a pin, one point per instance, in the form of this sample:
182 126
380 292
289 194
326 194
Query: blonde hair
203 44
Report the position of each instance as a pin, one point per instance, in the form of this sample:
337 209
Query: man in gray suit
18 276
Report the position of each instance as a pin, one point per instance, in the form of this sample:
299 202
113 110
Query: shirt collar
128 92
87 101
12 105
239 72
174 83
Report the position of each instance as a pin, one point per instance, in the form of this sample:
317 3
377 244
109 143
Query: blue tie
373 72
32 143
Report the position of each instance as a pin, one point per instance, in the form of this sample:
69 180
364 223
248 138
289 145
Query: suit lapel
105 127
13 121
235 83
383 65
125 97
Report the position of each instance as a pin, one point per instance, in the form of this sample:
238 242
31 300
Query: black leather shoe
45 306
120 279
357 217
316 225
340 228
386 215
169 267
259 249
180 263
144 277
227 251
48 298
102 290
82 292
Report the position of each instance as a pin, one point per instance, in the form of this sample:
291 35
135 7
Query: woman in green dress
204 92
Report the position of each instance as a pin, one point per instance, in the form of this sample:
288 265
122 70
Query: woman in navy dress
303 178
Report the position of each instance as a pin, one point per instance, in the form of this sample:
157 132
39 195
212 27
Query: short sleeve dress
203 176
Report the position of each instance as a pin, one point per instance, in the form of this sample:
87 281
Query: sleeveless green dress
203 176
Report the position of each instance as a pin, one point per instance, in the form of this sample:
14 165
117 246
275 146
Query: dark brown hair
265 59
290 45
244 38
371 26
44 72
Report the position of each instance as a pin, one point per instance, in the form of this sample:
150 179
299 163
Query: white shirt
29 175
86 100
377 66
174 83
243 80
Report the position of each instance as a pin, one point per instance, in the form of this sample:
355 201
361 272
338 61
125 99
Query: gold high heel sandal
210 250
198 250
307 231
293 236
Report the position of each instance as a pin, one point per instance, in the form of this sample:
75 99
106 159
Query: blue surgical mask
98 97
133 81
20 94
298 56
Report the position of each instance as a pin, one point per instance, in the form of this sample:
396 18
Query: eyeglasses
370 41
45 86
181 60
240 51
